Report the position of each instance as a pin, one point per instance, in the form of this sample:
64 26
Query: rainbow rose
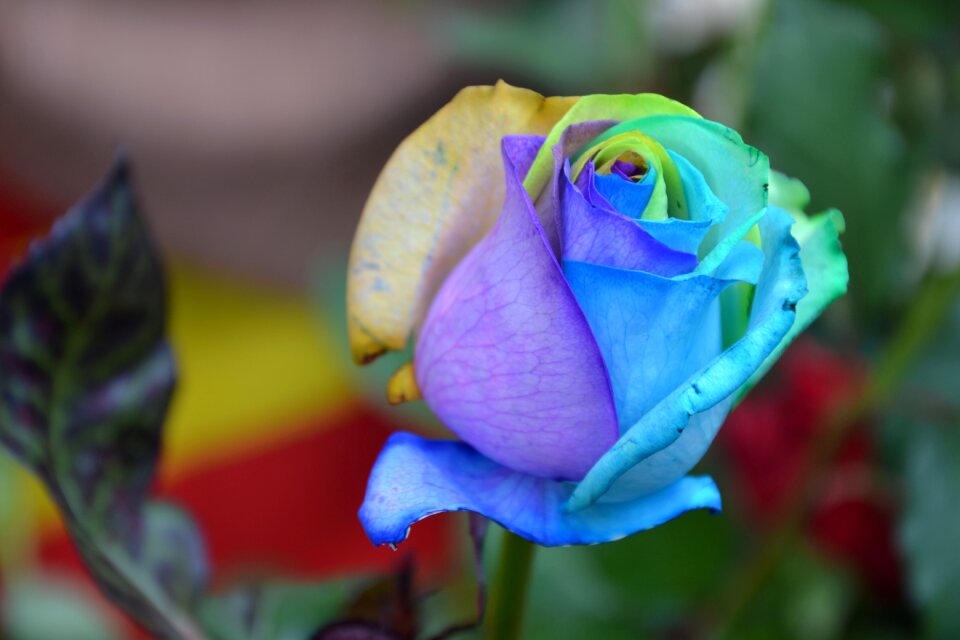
586 316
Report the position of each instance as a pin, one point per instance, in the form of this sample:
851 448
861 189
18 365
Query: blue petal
679 235
653 332
744 263
415 478
627 197
664 428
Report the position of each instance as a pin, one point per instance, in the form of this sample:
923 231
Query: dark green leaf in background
87 375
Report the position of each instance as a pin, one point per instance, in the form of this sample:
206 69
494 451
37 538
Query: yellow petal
439 193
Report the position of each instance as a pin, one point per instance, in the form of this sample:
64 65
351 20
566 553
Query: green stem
508 592
924 316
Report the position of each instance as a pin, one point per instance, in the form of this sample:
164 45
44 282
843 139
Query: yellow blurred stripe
253 363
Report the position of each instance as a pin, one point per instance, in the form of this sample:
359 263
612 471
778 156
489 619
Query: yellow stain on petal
439 193
402 386
621 107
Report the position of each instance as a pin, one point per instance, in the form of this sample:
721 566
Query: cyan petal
600 236
684 236
667 430
654 332
702 203
826 269
680 235
666 199
744 263
415 478
506 358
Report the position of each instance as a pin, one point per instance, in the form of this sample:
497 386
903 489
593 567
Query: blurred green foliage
931 525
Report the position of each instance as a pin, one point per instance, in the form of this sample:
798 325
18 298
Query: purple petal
571 140
625 170
595 235
506 358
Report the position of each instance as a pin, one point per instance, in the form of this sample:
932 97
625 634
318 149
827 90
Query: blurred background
257 129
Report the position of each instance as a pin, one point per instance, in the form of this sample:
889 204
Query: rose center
628 165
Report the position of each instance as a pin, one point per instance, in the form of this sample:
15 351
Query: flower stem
508 592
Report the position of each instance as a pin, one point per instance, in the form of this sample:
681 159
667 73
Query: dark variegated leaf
173 550
86 375
86 371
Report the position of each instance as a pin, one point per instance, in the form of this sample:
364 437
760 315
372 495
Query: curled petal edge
415 478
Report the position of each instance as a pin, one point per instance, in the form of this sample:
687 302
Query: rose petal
735 260
826 269
680 235
685 236
665 443
735 172
415 478
548 201
436 197
506 358
702 202
626 196
789 194
599 107
599 236
653 332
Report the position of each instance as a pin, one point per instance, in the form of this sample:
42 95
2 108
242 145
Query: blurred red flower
770 440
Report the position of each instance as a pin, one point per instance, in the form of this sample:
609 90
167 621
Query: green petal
789 194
